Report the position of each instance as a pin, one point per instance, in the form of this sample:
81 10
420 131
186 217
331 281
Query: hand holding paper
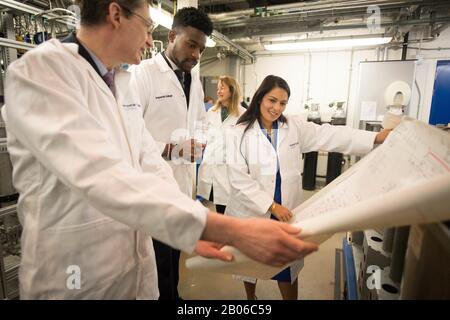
404 181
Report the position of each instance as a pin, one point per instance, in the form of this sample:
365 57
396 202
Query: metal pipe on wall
308 84
349 85
386 54
405 46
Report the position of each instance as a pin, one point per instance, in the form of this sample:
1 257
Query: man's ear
114 14
172 35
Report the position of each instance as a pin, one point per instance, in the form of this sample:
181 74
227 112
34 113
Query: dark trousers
219 208
167 262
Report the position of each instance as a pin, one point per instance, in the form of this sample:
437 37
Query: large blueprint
402 182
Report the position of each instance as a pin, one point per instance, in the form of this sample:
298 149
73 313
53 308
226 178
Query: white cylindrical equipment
397 97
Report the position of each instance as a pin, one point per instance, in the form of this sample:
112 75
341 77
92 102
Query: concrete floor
316 280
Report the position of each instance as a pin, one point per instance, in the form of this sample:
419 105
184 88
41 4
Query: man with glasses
93 186
172 99
149 23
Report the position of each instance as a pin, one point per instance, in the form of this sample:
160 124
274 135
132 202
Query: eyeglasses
150 24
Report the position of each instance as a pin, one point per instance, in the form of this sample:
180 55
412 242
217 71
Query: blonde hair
235 99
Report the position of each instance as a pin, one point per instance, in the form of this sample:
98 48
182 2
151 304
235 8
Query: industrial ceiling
251 22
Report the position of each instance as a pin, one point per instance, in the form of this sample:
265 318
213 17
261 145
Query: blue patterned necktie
109 80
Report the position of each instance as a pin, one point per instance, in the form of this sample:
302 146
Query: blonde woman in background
213 178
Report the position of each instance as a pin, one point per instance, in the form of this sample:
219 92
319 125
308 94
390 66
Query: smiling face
223 93
136 34
273 105
186 47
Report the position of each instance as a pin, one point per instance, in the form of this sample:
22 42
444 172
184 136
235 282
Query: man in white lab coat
93 186
172 99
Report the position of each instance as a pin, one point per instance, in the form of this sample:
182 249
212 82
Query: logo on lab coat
164 97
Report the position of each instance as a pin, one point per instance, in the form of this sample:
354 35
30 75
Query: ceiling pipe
312 7
290 29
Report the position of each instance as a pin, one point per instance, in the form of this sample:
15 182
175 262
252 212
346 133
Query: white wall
291 68
334 75
228 66
323 77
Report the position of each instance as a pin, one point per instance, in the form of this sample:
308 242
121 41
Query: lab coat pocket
101 252
291 188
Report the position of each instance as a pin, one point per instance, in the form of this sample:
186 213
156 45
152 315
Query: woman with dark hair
264 163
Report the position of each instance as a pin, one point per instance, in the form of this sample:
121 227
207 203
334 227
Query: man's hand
209 249
382 135
271 242
264 240
282 213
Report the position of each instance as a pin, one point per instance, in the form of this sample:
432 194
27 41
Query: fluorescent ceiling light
327 44
210 43
161 17
286 38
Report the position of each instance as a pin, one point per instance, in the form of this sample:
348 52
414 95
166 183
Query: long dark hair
253 112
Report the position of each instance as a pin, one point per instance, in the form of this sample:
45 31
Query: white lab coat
213 169
92 184
166 114
252 165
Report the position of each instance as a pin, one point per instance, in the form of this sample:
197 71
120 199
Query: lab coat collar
164 68
122 76
100 66
282 133
255 129
162 64
218 117
283 129
169 61
81 50
282 125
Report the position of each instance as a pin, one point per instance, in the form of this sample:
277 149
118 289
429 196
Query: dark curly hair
192 17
